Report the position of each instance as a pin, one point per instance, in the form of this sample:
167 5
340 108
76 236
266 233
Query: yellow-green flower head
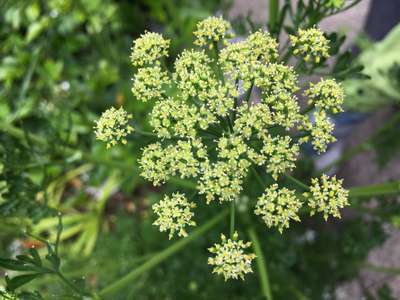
278 206
113 126
286 109
276 78
174 214
171 118
192 73
181 159
148 83
254 119
212 29
281 154
219 98
230 258
231 148
222 180
263 47
241 60
326 94
311 44
327 196
235 60
154 165
320 131
149 49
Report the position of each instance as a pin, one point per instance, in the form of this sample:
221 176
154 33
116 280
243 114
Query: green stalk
297 182
248 94
273 14
261 266
388 188
257 176
160 257
232 218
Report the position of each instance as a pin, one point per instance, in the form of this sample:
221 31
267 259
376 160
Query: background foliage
62 63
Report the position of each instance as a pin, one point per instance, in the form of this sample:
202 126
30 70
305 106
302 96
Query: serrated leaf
20 280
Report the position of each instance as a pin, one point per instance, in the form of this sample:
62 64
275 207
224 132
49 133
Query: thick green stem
232 218
273 15
388 188
261 265
160 257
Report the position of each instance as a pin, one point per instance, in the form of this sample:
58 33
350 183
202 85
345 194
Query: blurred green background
62 63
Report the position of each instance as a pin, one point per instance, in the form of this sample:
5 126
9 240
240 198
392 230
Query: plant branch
160 257
374 190
261 265
297 182
232 218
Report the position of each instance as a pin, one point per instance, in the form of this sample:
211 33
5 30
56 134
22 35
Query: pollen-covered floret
113 126
281 154
320 130
148 83
262 47
230 259
172 118
192 73
174 214
311 44
181 159
326 94
222 180
231 148
212 29
278 206
234 60
242 60
285 109
149 49
254 119
327 196
276 78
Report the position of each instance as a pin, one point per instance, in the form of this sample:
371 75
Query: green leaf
35 255
20 280
16 265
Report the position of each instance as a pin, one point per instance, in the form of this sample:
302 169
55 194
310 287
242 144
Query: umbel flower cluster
209 129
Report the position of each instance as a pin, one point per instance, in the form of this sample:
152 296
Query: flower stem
145 133
261 266
273 15
248 95
232 218
257 176
160 257
388 188
297 182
